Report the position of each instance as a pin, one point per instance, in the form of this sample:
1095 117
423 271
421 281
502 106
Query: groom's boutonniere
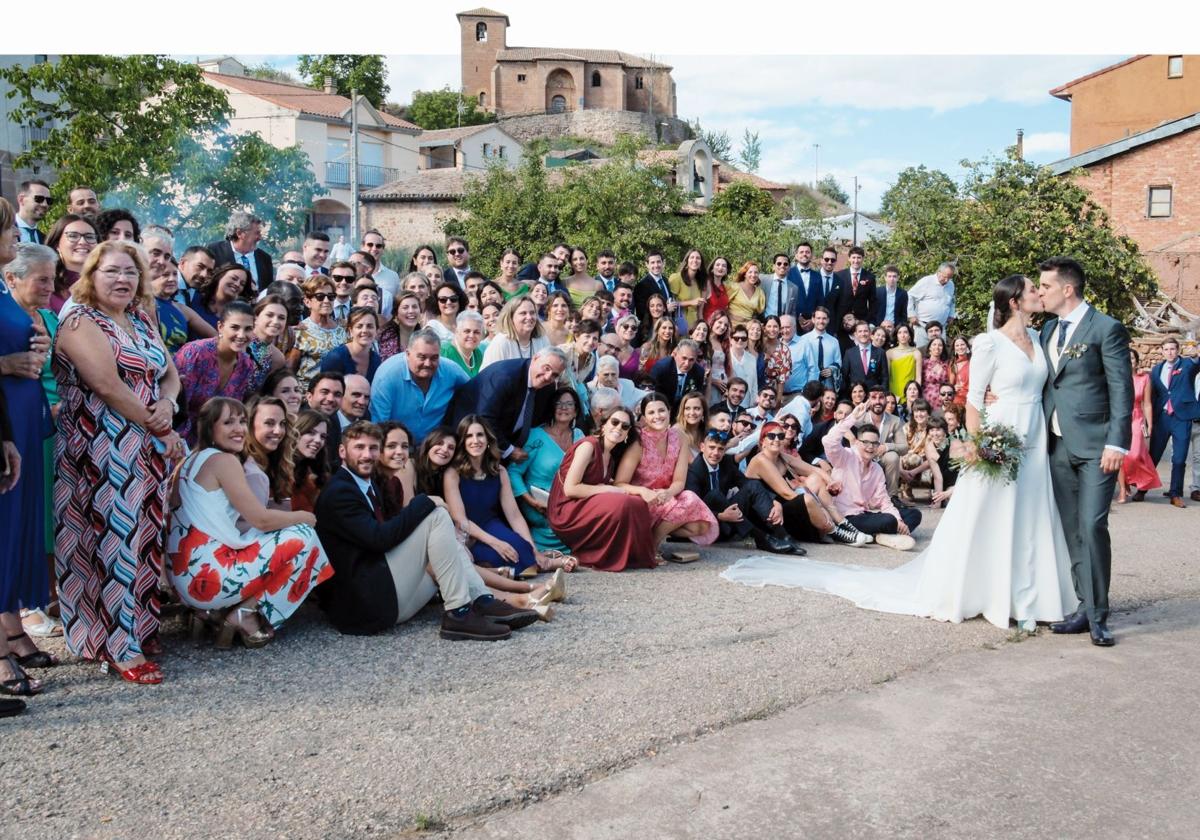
1074 351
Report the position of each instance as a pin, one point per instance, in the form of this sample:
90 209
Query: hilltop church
511 81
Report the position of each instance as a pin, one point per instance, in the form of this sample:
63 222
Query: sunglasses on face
775 436
455 251
450 299
43 199
344 278
324 296
828 259
625 427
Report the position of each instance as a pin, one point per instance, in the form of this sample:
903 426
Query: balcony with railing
31 134
337 174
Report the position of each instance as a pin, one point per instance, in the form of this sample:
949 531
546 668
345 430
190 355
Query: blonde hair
84 289
504 324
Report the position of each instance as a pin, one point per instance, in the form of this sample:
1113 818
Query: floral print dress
934 374
214 566
657 471
314 341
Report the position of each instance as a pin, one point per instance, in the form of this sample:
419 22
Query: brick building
526 80
1142 119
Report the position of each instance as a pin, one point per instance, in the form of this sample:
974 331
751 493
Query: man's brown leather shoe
1178 502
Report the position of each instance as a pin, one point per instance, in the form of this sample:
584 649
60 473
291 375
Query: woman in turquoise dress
532 478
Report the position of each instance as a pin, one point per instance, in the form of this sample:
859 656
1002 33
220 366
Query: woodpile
1158 319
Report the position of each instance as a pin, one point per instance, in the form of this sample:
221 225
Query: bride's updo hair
1007 290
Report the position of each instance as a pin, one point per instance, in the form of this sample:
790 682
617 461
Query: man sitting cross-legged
386 570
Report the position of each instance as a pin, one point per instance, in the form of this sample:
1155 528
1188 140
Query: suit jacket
729 477
1092 393
665 376
360 598
843 299
450 276
880 307
734 410
852 368
223 255
812 448
807 299
497 393
791 296
893 435
642 292
1182 392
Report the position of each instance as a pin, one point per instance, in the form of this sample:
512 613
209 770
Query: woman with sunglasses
743 362
606 527
442 310
629 356
317 334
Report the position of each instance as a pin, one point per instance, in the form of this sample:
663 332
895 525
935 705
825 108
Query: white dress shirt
929 300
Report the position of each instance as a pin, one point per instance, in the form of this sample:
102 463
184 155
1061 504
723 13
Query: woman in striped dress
118 389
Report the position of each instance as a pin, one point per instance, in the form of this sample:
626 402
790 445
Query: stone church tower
484 34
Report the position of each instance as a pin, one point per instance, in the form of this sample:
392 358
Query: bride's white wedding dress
999 549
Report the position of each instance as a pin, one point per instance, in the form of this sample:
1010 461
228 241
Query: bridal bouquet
998 450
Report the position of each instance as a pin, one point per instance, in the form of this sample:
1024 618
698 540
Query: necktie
245 261
854 283
679 387
820 355
779 295
524 418
662 285
374 500
865 354
341 311
712 480
1170 409
825 284
1062 335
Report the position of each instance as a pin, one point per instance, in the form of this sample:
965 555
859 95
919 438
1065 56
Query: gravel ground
321 735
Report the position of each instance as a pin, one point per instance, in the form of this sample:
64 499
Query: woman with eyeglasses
358 354
217 367
118 390
558 318
743 362
317 334
519 333
227 284
688 286
406 320
73 237
607 528
716 293
442 310
510 286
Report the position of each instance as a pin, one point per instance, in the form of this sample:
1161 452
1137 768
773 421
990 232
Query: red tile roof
300 98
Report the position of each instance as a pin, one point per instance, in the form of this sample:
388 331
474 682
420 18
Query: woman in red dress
1137 471
606 527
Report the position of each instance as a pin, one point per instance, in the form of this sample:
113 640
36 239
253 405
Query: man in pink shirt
864 499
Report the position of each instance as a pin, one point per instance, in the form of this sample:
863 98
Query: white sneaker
899 542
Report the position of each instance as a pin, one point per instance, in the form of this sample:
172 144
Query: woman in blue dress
24 578
481 502
532 478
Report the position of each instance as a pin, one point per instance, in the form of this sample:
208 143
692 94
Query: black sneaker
474 626
504 613
847 534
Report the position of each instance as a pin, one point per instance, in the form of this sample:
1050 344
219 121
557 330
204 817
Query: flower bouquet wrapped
997 450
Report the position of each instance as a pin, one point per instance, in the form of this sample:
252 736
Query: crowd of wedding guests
233 435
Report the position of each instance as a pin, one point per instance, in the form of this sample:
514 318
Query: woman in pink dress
1137 472
655 468
935 371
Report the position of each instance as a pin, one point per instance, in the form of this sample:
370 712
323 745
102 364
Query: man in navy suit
1173 400
830 283
855 292
678 374
891 302
807 279
243 232
459 257
509 394
864 362
654 282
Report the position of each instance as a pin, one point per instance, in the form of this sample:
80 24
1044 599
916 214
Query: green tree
750 155
111 118
445 108
271 74
743 200
718 142
829 187
364 73
219 174
1007 216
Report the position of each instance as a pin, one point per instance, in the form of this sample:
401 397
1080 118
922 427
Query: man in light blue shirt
796 380
414 389
821 357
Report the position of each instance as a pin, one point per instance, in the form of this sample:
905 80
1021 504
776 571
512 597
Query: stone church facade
510 81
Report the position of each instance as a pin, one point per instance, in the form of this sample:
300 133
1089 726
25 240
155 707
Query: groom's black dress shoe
1101 635
1074 623
776 544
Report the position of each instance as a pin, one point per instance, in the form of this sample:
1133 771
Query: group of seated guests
393 445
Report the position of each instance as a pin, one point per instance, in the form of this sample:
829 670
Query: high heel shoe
545 611
229 631
148 673
556 590
201 622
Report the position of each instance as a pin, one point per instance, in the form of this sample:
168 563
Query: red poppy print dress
214 566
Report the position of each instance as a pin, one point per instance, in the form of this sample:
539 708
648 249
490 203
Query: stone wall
406 224
600 125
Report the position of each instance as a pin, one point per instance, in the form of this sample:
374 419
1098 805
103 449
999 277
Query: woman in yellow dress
904 362
746 298
687 286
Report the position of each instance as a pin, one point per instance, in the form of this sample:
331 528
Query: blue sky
872 116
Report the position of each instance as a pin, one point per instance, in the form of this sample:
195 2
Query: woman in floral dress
318 333
217 367
935 371
655 468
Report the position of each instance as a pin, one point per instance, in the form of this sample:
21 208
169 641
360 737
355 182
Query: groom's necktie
1062 334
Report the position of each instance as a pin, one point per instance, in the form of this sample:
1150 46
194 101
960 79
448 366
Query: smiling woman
217 367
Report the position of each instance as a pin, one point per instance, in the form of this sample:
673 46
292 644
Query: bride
999 549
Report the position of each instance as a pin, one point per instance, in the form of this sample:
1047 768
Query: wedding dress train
999 550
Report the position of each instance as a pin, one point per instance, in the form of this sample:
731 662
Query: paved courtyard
327 736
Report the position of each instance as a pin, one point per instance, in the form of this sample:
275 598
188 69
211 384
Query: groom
1088 400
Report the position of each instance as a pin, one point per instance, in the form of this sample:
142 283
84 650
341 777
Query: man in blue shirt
414 389
821 359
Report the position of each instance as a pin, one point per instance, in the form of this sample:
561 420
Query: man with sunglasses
783 296
374 244
743 506
343 276
863 498
459 256
33 203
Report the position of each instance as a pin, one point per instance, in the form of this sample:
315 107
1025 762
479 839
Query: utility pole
855 209
354 165
816 162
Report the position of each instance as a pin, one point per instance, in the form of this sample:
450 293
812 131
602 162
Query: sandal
556 559
229 631
37 659
44 626
21 684
148 673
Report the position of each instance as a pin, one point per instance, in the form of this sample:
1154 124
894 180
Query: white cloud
407 73
1047 143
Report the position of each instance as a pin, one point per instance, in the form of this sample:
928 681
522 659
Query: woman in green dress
532 478
904 362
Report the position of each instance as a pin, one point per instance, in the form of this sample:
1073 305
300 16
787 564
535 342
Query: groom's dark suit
1091 391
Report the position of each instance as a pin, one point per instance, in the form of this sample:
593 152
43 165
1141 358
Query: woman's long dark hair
278 465
306 420
429 475
1007 290
631 438
52 240
490 463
